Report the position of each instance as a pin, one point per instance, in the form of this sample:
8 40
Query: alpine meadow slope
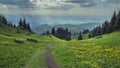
21 48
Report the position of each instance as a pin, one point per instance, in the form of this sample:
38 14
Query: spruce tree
53 31
104 27
80 36
63 34
25 25
20 23
117 22
89 35
28 27
3 20
112 22
47 33
85 31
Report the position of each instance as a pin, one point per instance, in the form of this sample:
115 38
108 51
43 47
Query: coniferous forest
107 26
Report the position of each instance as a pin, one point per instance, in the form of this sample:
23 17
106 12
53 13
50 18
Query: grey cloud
28 4
19 3
113 1
78 1
84 3
63 7
88 4
92 3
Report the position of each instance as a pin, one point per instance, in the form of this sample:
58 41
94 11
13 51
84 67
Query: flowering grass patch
16 55
90 53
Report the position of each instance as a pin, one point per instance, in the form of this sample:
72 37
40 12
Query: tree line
21 24
107 27
24 25
61 33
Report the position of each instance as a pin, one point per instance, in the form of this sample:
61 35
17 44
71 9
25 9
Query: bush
8 35
32 40
18 31
18 41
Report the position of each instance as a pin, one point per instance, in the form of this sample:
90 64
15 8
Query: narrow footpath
49 58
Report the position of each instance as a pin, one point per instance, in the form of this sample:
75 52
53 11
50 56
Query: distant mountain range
73 28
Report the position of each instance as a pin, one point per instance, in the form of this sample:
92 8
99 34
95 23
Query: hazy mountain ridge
73 28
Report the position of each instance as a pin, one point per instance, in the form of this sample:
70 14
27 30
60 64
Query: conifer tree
85 31
89 35
24 25
63 34
112 22
3 20
53 31
104 27
20 23
47 33
28 27
117 22
80 36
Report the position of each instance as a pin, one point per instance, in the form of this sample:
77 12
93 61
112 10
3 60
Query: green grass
98 52
74 37
20 55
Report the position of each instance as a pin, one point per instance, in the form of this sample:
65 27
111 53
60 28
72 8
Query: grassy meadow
99 52
19 55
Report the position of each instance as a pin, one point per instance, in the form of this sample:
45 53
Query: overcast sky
96 8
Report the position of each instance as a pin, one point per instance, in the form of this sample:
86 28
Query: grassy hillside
99 52
22 49
18 55
84 36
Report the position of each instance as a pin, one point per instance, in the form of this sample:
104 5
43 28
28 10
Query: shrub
32 40
18 41
8 35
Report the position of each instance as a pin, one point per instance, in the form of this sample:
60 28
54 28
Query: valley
98 52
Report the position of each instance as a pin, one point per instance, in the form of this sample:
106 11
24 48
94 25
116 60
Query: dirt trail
49 58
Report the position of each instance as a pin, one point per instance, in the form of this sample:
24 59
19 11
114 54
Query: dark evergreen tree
20 23
93 32
28 27
80 36
47 33
89 35
117 22
97 31
63 33
105 27
24 25
3 20
112 22
68 36
53 31
85 31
